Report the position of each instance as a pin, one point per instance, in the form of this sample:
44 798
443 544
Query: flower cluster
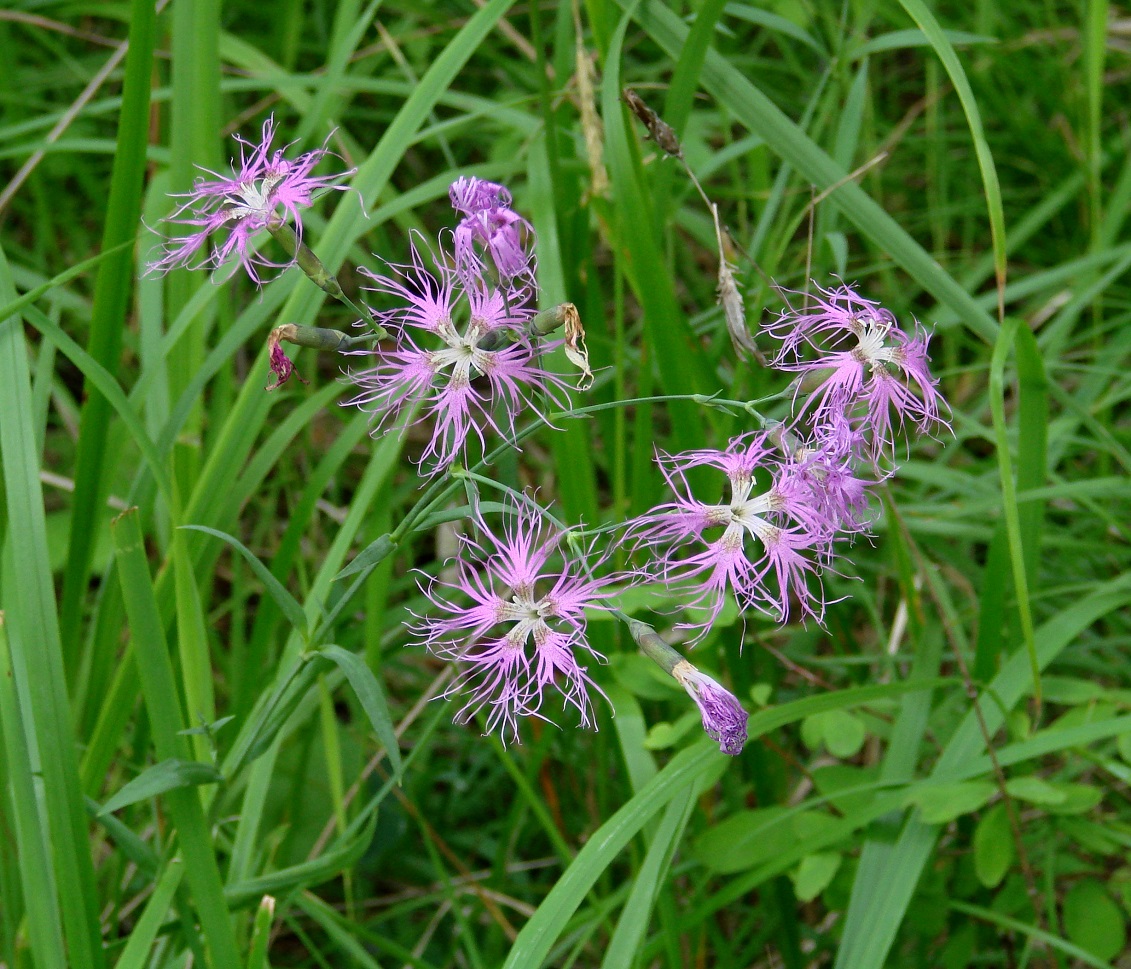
787 496
796 490
459 344
462 348
266 192
781 519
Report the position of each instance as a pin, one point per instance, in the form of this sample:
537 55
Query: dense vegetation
224 742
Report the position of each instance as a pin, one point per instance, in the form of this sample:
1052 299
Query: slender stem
318 274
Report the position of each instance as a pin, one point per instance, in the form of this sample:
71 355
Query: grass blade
539 934
36 649
163 704
372 699
945 50
111 296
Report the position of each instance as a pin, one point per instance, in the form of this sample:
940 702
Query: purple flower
823 469
869 367
489 221
267 191
468 376
760 543
724 720
514 620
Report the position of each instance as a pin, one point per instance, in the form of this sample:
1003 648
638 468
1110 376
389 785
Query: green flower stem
651 644
318 274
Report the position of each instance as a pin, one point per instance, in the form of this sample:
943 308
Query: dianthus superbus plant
605 485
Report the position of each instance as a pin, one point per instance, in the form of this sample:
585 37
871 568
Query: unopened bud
724 719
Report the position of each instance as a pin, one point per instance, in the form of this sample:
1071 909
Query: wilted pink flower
489 221
724 720
760 543
869 367
267 190
514 621
482 370
282 368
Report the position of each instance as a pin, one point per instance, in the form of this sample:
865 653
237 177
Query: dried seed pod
734 310
658 129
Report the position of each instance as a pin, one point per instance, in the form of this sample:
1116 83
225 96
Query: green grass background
218 751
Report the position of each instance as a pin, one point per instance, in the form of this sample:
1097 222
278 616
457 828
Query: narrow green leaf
261 934
107 386
633 923
1032 446
903 39
112 288
35 647
631 735
40 898
372 699
1002 347
163 704
132 847
372 555
679 363
1032 932
771 718
943 47
339 858
168 775
283 599
136 953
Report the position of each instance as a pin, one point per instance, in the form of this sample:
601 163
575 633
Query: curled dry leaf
575 349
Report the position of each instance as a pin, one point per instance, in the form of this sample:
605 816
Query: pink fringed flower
489 221
514 621
480 372
869 367
268 190
761 543
824 469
